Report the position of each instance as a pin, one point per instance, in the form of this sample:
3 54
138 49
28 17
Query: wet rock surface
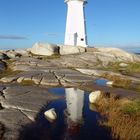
24 93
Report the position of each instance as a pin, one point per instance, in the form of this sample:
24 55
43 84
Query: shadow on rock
42 129
63 128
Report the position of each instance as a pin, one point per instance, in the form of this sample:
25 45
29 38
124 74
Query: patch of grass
132 67
27 83
54 56
8 72
112 66
123 83
132 107
43 57
72 68
10 61
122 117
118 81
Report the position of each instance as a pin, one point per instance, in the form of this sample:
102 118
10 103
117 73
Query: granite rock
45 49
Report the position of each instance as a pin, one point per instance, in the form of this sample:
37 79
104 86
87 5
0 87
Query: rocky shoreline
27 74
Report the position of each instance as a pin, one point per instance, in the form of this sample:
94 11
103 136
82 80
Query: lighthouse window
82 39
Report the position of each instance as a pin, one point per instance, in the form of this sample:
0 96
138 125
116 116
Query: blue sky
109 22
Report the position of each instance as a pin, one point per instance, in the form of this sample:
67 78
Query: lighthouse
75 33
75 104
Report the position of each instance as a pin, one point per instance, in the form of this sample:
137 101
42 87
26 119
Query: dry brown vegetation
122 117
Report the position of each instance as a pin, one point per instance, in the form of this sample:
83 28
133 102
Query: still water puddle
76 118
101 82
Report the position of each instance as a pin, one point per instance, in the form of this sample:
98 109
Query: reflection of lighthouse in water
75 103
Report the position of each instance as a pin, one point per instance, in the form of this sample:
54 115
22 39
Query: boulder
22 52
109 83
50 115
3 56
11 54
67 49
94 96
123 65
44 49
16 53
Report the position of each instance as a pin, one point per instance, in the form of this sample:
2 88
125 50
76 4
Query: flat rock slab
21 105
28 98
33 64
13 121
100 73
38 77
68 77
50 77
78 78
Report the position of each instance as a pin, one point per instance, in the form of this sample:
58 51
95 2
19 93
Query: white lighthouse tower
75 25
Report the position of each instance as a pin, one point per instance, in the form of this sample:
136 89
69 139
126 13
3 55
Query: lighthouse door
75 39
